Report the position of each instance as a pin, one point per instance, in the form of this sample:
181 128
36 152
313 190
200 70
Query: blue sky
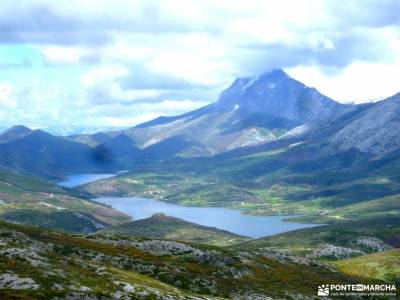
85 65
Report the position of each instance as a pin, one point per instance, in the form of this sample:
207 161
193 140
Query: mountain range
252 114
256 111
36 152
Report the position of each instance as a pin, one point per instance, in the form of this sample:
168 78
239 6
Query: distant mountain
92 140
64 130
252 115
14 133
161 226
252 111
284 102
36 152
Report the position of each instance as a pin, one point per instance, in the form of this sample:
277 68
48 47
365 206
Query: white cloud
357 83
62 55
171 106
6 93
103 74
102 86
137 59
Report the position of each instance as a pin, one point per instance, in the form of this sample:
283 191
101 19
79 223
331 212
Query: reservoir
229 219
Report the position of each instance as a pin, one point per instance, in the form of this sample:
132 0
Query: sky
86 65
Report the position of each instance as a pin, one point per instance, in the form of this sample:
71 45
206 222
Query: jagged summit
276 94
273 76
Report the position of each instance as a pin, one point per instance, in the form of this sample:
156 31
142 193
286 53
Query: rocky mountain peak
243 85
276 94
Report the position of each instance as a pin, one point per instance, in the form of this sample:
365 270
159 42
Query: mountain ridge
36 152
252 111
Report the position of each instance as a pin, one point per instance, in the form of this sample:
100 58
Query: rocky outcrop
12 281
375 131
332 251
373 244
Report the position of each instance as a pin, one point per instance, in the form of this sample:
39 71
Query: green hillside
166 227
336 241
41 264
382 266
281 180
31 201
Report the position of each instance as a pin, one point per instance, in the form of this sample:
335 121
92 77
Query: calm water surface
223 218
78 179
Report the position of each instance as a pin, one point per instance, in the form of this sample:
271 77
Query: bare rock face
277 95
252 136
159 247
12 281
375 131
373 244
327 250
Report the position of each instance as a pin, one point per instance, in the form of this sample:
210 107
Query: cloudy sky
89 64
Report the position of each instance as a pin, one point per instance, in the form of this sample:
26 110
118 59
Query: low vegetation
31 201
166 227
42 264
382 266
336 241
264 183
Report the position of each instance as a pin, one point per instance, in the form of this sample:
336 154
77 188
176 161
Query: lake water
223 218
78 179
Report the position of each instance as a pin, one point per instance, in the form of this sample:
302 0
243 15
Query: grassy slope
165 227
382 266
387 207
31 201
61 264
342 234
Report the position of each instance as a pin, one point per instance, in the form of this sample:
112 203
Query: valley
227 219
199 150
266 193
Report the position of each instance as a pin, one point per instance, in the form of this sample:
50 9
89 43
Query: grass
106 264
31 201
383 266
344 234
